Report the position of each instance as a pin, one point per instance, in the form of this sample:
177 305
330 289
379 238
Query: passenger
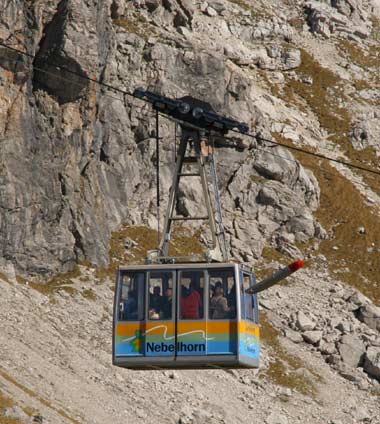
231 300
130 306
167 304
153 314
155 302
218 303
191 303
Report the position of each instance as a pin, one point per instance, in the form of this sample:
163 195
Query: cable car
198 311
185 316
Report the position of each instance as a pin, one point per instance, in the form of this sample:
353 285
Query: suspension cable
126 93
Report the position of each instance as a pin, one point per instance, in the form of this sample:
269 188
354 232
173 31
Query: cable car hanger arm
273 279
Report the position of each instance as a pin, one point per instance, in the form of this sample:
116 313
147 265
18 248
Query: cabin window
160 295
131 304
191 294
247 311
222 294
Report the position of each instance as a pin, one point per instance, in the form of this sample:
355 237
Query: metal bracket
218 250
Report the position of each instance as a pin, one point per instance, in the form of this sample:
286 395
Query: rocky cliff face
77 160
50 133
77 174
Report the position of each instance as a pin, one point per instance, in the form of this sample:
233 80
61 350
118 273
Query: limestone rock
312 337
345 17
361 414
351 350
281 59
294 336
211 11
370 315
219 5
318 20
276 418
344 327
304 323
188 8
327 348
7 270
152 5
348 372
359 299
117 9
372 362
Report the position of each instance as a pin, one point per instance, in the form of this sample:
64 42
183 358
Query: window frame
203 273
147 294
209 276
140 302
255 301
243 297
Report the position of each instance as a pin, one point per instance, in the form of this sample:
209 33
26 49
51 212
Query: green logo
137 342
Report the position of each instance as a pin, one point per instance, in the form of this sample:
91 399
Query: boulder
348 372
247 232
278 58
7 271
361 414
218 5
117 9
345 16
344 7
302 226
351 350
327 348
312 337
276 418
279 165
359 299
344 327
370 315
294 336
372 362
318 20
152 5
290 250
188 8
211 11
304 323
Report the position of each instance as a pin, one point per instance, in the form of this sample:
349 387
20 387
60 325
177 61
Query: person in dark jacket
167 303
155 303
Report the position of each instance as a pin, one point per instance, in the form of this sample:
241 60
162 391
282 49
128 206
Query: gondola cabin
185 316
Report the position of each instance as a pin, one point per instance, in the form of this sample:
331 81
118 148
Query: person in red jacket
191 303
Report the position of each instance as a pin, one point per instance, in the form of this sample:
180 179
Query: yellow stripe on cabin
213 327
248 328
129 329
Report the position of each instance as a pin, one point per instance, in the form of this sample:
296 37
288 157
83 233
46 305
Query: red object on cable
295 266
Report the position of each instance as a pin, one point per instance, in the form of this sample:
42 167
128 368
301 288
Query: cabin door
160 333
222 312
191 315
